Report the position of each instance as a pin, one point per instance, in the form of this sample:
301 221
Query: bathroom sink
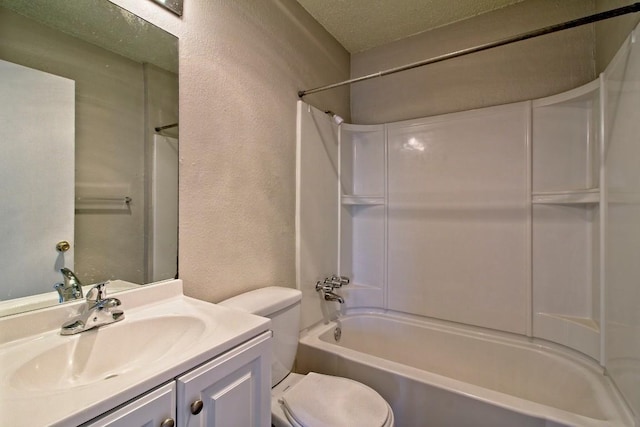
79 377
105 353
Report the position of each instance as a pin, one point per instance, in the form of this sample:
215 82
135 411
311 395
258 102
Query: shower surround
513 218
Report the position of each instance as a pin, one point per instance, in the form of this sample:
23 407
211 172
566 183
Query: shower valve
330 283
320 286
340 280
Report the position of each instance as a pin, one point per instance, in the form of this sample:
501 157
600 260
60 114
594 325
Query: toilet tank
282 306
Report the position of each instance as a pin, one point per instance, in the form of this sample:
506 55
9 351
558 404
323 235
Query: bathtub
437 374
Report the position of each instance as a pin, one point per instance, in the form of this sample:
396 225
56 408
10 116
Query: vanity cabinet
156 408
232 389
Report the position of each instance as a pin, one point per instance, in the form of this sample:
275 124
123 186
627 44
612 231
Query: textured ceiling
362 24
106 25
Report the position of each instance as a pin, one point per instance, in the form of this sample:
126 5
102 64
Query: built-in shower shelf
362 200
587 196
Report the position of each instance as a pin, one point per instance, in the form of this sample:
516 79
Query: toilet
312 400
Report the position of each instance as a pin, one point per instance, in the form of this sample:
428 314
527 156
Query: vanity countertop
50 379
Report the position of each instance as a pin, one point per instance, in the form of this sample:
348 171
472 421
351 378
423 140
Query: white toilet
312 400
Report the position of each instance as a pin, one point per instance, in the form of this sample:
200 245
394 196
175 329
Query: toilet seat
326 401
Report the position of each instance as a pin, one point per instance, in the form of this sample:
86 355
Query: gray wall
611 33
525 70
241 65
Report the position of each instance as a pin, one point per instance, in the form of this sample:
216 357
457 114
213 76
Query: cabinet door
154 409
232 390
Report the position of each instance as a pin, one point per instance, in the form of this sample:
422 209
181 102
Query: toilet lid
326 401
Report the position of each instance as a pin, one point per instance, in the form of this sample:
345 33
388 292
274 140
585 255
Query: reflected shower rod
172 125
633 8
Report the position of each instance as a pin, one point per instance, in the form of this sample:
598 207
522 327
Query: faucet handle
323 286
66 293
337 281
60 288
98 292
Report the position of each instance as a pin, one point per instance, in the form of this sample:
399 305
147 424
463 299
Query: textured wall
241 65
525 70
611 33
362 24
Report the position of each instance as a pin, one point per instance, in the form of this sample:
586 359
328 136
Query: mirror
174 6
90 136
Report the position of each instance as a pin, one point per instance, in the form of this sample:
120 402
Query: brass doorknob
169 422
63 246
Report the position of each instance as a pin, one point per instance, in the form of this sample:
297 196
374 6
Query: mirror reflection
89 136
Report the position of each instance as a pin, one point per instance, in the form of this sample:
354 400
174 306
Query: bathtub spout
330 296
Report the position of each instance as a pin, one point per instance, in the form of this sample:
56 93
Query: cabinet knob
196 407
168 423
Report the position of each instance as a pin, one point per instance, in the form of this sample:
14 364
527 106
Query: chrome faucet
329 284
99 311
71 288
330 296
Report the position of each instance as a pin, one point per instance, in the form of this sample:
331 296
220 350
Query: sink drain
108 377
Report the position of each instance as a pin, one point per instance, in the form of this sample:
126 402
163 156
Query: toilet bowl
312 400
338 402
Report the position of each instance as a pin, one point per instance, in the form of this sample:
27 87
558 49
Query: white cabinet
156 408
228 391
231 390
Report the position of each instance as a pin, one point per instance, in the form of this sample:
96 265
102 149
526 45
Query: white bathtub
435 374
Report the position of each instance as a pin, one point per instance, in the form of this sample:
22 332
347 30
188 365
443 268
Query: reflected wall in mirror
174 6
85 84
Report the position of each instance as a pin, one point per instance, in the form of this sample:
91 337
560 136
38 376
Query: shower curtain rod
523 36
159 128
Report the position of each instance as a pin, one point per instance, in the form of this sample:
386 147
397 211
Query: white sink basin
71 379
104 353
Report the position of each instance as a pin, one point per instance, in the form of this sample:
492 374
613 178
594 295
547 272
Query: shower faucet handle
344 280
333 282
330 283
323 286
327 287
338 281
